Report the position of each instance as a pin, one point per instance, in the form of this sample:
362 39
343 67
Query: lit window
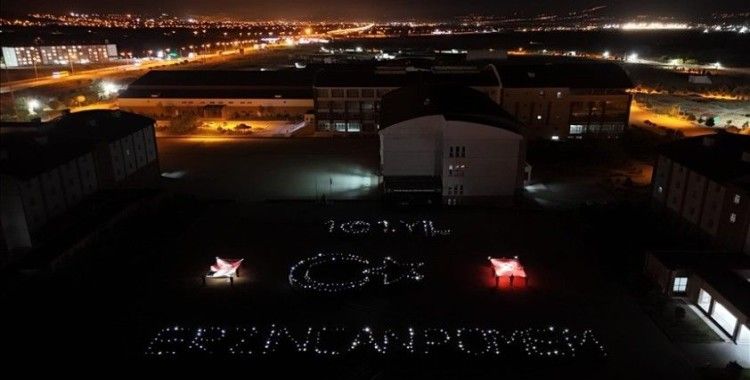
737 199
704 300
680 284
555 138
660 189
539 117
732 218
724 318
559 94
576 129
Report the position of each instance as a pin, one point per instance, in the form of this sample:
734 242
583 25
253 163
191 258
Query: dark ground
107 302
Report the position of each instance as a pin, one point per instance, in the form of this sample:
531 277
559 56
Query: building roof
723 157
26 154
29 150
453 102
224 79
213 93
564 75
374 78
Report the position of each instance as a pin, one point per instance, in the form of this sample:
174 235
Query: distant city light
632 57
654 26
717 65
605 54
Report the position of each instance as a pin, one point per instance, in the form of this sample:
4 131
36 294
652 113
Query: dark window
451 152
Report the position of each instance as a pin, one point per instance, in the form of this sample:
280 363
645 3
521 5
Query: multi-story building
704 182
49 168
556 101
349 100
24 56
222 95
716 285
448 144
567 101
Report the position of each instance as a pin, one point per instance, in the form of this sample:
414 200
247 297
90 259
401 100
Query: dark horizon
382 10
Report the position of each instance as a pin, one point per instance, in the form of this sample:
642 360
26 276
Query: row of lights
302 275
384 226
538 343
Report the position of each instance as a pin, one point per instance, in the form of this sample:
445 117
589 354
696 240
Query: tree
710 122
183 124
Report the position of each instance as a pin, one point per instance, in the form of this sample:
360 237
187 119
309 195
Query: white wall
411 148
419 147
491 162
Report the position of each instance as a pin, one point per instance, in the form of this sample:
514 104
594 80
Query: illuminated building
567 101
703 182
221 95
48 168
448 144
348 100
557 101
716 284
25 56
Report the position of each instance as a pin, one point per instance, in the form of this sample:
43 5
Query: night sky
372 9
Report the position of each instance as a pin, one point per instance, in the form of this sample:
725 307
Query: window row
456 190
457 151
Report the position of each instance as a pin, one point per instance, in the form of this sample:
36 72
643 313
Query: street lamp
32 105
109 88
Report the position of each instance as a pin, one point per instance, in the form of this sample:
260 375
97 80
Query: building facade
350 100
49 168
554 102
26 56
221 95
715 284
567 101
450 145
703 183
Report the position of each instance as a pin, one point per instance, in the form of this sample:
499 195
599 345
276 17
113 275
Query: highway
133 69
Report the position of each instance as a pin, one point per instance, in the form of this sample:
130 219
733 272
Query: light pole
36 73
